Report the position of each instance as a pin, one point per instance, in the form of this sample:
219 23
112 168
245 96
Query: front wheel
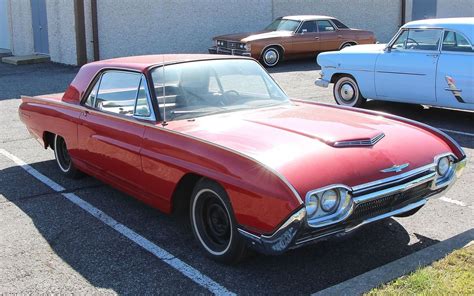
271 57
213 223
346 92
63 159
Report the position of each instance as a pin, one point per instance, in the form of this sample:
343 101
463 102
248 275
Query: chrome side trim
400 73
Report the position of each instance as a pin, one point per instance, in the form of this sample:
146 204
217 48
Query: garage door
4 29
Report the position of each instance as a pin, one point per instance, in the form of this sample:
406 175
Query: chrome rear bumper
372 202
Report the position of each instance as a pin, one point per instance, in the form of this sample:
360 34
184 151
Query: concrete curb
386 273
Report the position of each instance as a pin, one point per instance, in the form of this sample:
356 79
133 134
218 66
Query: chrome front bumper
223 50
412 190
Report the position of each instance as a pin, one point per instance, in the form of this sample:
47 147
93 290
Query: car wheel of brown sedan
213 223
347 93
271 57
346 45
63 159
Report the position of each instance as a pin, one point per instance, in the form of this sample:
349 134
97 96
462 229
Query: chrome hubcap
347 92
270 57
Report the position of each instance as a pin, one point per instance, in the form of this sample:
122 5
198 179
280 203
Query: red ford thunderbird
217 136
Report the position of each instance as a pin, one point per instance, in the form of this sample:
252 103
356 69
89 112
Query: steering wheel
230 96
413 41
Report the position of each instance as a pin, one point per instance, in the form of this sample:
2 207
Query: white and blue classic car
428 62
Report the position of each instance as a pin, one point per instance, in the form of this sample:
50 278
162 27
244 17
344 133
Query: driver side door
111 127
406 71
306 39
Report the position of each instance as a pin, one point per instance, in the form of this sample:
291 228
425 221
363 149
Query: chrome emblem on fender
452 88
395 168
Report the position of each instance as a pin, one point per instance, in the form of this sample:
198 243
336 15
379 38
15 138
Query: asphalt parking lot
49 244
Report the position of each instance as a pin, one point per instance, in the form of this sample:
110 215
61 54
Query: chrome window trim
298 28
152 116
392 41
98 82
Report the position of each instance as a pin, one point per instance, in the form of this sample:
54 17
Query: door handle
85 113
317 38
339 36
435 55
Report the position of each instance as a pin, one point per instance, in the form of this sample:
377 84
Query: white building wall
5 31
383 17
166 26
61 31
21 27
456 8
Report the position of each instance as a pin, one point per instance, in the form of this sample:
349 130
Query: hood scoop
358 142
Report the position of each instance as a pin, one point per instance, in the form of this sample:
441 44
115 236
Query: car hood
297 141
247 37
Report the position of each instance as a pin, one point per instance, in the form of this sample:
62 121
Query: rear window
339 24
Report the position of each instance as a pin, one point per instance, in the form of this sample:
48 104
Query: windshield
283 25
201 88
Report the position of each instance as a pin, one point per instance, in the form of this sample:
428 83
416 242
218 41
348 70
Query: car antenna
164 123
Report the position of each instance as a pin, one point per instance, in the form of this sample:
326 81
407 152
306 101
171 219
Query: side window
142 107
117 92
420 39
453 41
401 40
308 27
325 26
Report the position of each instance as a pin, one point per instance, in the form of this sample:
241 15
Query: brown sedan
292 37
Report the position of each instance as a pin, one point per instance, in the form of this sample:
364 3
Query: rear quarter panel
50 114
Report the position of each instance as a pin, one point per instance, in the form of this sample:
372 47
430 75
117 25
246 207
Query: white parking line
453 201
457 132
158 252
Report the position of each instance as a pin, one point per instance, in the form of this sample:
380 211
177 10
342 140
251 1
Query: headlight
312 205
329 200
444 165
328 203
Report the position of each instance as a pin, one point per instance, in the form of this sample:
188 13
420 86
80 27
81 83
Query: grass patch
452 275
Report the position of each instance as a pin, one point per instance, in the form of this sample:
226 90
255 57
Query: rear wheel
63 159
213 223
346 92
346 45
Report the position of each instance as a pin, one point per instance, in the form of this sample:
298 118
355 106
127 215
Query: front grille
390 203
229 44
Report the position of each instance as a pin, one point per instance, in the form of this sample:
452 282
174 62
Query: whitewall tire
346 92
213 223
271 57
63 158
